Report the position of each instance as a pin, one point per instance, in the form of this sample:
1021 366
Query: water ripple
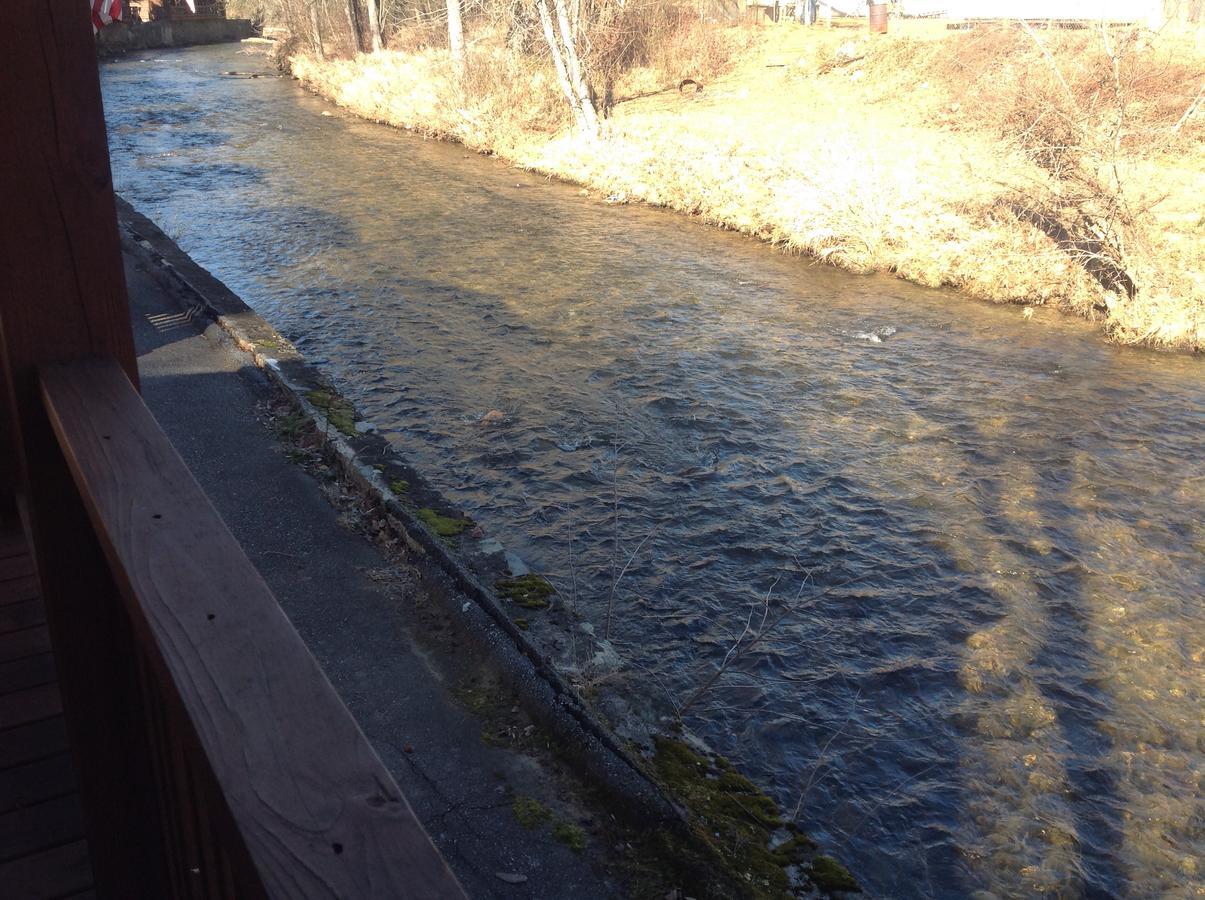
989 532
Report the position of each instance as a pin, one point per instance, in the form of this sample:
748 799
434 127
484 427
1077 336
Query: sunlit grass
869 154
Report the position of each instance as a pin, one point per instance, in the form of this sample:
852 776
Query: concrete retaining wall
123 36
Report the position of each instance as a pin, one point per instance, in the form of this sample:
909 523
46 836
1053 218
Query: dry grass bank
1014 167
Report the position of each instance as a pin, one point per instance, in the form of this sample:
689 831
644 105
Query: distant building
158 10
1150 12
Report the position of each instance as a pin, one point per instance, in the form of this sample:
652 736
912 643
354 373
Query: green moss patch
484 698
290 426
399 486
527 591
736 826
339 412
530 813
570 835
444 526
829 875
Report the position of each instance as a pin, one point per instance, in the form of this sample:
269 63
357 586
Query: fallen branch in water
741 648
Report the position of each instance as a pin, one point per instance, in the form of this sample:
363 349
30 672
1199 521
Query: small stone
517 567
365 428
407 748
511 877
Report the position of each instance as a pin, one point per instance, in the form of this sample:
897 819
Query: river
988 529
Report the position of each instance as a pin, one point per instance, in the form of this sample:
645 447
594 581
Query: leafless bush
419 32
1081 105
689 48
667 43
282 50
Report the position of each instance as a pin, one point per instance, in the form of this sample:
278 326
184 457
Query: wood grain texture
59 872
32 742
318 813
41 826
34 782
25 614
19 590
30 705
20 644
62 286
18 564
95 654
63 296
32 671
18 575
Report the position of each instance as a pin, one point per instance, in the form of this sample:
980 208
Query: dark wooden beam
63 297
62 286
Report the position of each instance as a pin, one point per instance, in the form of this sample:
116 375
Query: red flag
104 12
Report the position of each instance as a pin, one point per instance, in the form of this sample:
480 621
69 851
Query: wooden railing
215 758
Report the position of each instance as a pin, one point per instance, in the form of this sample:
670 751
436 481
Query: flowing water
988 530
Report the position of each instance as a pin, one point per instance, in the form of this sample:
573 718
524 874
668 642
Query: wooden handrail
265 784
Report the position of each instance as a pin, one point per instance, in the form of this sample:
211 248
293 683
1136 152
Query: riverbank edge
549 698
1102 326
583 740
123 37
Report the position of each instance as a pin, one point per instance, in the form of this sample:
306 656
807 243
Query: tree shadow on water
1050 710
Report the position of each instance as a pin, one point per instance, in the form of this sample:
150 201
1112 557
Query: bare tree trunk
574 66
455 31
353 26
316 31
558 60
374 26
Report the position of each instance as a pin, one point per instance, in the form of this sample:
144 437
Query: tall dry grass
1046 168
1109 119
499 103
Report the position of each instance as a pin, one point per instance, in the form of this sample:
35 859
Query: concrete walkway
386 648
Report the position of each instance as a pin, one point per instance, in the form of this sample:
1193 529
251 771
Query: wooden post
63 297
